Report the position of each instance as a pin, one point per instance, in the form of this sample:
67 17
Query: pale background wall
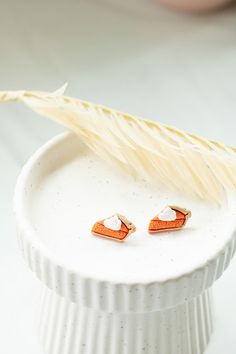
132 55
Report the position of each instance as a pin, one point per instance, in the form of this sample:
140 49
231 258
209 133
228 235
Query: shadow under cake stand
104 297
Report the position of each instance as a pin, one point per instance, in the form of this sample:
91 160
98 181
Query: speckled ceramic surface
66 328
63 189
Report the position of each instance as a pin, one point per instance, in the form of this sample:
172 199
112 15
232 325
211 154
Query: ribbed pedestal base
66 328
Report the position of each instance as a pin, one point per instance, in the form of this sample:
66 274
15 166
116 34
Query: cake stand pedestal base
66 328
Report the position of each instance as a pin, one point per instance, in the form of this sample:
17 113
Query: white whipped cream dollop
167 214
113 223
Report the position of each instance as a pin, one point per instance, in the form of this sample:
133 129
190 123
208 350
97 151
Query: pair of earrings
118 227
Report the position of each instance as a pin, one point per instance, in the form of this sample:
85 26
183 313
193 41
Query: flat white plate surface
131 55
75 189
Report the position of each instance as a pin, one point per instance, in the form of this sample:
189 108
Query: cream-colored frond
170 156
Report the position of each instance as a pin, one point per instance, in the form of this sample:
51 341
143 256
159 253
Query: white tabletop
137 58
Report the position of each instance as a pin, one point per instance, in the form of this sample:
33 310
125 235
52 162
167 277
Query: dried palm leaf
151 150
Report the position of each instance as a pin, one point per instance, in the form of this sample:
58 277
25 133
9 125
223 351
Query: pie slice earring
170 218
116 227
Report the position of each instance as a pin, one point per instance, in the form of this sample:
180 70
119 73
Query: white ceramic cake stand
147 295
